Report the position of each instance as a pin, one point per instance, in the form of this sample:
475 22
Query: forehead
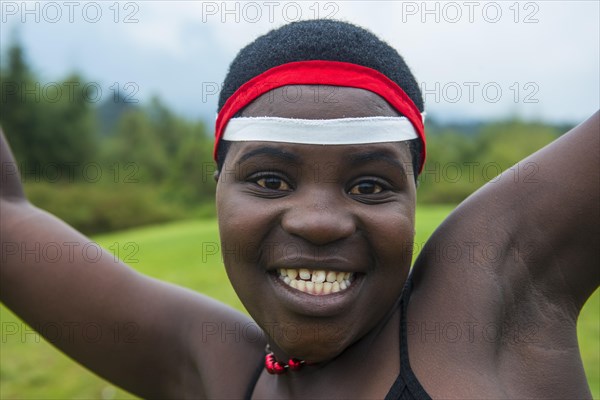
319 102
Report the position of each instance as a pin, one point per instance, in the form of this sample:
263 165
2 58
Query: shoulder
223 348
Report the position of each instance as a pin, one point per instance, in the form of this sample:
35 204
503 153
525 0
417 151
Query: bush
96 208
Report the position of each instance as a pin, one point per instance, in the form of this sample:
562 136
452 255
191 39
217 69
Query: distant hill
434 127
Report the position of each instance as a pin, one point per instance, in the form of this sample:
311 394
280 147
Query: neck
368 366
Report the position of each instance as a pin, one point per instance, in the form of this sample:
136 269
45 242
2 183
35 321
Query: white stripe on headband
320 131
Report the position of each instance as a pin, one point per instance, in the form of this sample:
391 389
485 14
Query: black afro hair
320 39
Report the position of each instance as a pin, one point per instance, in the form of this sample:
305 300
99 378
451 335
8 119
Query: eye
273 183
366 187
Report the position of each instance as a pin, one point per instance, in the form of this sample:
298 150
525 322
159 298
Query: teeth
335 287
331 276
316 282
304 274
318 288
318 276
302 286
310 287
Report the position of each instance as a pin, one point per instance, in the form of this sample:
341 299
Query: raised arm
512 267
560 212
538 222
142 334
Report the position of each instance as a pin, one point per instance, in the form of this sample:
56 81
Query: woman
319 143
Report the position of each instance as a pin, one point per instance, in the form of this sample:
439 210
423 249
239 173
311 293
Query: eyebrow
377 155
353 159
272 152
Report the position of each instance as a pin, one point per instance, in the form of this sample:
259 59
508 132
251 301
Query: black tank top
406 386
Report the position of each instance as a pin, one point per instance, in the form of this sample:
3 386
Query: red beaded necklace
275 367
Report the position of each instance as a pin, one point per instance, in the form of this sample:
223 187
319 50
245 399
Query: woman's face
323 212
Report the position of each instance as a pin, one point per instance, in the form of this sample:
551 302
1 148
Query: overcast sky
474 60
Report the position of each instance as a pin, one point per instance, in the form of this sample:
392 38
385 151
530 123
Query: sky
474 61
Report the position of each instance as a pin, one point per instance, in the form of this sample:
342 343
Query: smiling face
317 240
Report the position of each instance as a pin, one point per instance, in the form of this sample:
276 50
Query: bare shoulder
219 343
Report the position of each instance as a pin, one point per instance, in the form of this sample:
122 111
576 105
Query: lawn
32 369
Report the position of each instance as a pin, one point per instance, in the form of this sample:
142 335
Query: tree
50 125
20 113
193 167
135 143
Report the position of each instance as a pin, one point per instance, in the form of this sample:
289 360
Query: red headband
318 72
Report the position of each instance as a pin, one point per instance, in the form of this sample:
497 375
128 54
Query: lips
314 291
316 282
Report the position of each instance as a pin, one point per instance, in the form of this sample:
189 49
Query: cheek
243 226
239 227
391 237
395 243
390 231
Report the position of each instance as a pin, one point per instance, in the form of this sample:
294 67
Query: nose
319 219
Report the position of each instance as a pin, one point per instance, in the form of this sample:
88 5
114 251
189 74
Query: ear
216 175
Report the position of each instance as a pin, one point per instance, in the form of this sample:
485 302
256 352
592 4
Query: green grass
33 369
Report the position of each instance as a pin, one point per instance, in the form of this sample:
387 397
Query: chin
313 342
